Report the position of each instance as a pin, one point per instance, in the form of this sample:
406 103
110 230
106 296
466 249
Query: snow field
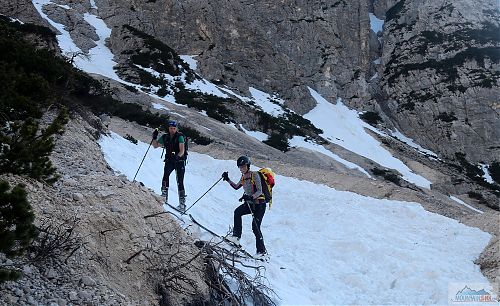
326 246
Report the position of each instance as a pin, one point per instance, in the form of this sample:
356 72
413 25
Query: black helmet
243 160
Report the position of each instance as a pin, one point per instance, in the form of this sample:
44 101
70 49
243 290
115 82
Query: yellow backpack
268 182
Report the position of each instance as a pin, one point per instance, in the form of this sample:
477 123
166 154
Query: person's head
243 163
172 127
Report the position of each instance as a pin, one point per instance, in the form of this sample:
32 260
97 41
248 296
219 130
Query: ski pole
202 195
143 159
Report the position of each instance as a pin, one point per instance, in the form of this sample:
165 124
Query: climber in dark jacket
175 159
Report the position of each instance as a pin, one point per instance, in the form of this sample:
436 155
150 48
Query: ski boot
182 201
164 193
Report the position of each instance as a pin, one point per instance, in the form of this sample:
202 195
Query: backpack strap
254 188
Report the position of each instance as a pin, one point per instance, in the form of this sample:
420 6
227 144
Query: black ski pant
258 209
180 169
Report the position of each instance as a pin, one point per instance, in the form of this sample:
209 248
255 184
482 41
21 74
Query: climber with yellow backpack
257 186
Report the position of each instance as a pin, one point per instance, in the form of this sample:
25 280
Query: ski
230 243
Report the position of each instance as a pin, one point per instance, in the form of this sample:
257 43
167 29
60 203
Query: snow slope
343 127
326 246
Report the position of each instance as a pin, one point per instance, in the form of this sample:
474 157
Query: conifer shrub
25 149
387 175
447 117
160 57
476 174
279 142
30 82
476 196
17 231
494 170
131 139
214 106
371 118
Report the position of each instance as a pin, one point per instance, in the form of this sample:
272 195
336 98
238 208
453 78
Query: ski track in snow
326 246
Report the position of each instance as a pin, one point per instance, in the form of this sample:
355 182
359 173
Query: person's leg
258 213
165 181
238 212
180 170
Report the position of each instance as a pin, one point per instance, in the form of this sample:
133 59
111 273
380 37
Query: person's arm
234 185
181 149
225 177
157 142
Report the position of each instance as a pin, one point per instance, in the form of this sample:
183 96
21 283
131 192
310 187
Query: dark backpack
176 141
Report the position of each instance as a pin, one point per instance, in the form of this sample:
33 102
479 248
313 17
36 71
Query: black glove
155 134
225 176
247 198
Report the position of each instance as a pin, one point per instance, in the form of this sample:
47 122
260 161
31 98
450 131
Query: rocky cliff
277 47
440 73
432 72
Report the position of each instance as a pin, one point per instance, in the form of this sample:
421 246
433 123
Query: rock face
437 80
440 75
278 47
439 60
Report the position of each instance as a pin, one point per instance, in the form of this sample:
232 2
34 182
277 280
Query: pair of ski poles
183 213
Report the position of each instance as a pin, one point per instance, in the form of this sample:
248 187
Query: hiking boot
181 208
182 201
164 193
261 255
233 239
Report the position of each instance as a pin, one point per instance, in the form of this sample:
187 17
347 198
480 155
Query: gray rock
73 296
442 88
103 194
87 281
77 196
10 299
62 302
70 182
84 295
115 209
18 292
27 270
51 273
80 31
31 300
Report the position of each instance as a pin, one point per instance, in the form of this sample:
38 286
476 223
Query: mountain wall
437 80
432 72
440 71
278 47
